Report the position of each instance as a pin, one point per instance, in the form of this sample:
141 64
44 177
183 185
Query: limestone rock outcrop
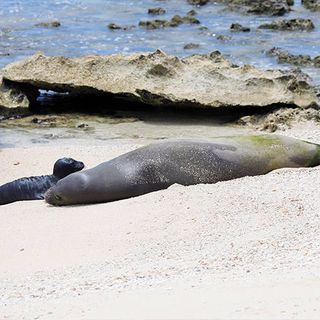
158 79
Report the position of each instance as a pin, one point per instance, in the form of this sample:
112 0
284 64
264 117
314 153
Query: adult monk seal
186 162
34 188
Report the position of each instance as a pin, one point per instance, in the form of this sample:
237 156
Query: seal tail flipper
31 188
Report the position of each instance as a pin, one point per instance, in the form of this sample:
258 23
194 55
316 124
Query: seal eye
57 197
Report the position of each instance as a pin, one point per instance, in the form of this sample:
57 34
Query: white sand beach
242 249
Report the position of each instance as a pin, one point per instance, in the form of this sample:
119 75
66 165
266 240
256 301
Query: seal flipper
30 188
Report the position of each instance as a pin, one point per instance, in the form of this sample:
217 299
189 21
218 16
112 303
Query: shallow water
84 30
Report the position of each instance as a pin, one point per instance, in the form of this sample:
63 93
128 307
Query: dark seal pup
34 188
187 162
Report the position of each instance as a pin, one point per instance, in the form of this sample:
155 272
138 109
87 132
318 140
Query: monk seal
34 188
186 162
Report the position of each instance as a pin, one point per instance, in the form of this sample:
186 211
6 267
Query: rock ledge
206 81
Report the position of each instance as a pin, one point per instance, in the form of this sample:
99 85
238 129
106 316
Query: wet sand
243 249
122 127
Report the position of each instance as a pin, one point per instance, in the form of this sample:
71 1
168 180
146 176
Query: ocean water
84 31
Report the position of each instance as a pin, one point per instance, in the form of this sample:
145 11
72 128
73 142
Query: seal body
34 188
187 162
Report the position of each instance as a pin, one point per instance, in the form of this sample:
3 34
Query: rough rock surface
191 45
223 38
281 119
157 10
114 26
175 21
298 60
192 13
198 2
261 7
289 25
49 24
316 61
313 5
237 27
204 81
11 97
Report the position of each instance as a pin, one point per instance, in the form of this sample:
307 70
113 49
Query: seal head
65 166
64 193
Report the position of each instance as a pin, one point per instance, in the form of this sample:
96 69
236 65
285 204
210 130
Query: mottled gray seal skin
187 162
34 188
